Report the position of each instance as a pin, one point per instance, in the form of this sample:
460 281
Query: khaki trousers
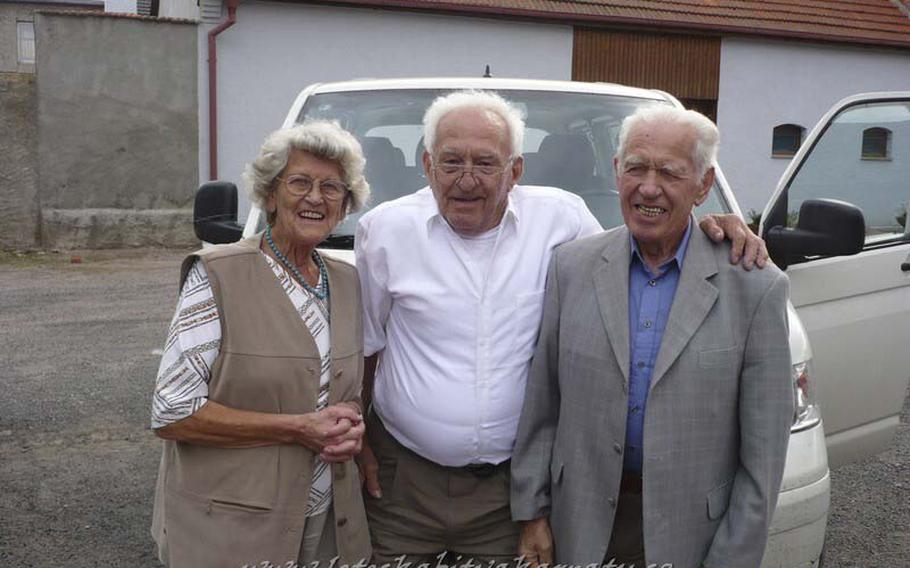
427 510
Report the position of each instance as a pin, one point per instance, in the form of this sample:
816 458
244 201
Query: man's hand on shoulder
745 246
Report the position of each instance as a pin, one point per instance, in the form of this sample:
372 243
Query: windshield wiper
338 242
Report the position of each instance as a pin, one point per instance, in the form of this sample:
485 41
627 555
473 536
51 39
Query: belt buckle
481 469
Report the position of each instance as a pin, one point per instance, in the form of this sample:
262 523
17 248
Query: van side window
876 183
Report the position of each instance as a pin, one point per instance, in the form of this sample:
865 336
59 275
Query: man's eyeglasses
453 172
301 185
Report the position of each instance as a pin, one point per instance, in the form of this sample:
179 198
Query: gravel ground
869 521
78 346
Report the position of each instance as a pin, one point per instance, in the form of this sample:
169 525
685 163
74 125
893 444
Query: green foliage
753 220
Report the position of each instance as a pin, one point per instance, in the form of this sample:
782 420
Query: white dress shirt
457 339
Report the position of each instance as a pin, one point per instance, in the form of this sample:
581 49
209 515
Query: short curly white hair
483 100
321 138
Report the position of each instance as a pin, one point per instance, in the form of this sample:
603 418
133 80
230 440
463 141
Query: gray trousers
627 543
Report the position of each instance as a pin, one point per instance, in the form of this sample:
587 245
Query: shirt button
652 283
647 324
641 364
342 521
617 447
612 502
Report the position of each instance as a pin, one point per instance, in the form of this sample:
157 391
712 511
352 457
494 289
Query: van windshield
569 142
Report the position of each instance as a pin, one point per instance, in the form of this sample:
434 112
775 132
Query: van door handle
905 266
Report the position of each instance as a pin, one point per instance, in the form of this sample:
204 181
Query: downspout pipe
213 86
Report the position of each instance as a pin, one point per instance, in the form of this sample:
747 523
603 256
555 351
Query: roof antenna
487 73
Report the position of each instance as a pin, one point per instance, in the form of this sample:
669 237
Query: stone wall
117 130
19 211
100 147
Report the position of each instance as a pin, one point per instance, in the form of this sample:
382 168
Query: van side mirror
825 227
215 213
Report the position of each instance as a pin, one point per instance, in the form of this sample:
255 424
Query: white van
855 309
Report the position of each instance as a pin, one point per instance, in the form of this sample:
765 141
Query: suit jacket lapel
611 285
695 296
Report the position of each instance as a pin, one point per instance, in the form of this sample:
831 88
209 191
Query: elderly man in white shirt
453 279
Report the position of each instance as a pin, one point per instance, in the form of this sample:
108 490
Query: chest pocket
522 320
710 358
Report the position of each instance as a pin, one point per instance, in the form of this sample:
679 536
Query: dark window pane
787 139
875 142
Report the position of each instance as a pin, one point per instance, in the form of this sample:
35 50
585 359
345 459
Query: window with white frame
876 144
26 34
786 140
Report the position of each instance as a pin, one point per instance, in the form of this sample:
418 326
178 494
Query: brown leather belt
484 469
481 470
630 483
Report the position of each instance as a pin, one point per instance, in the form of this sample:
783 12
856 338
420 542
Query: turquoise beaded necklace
322 290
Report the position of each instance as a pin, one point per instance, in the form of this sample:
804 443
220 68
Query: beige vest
229 507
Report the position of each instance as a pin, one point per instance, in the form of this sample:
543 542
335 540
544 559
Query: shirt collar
678 257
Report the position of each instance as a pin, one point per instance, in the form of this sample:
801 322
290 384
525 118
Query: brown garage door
685 66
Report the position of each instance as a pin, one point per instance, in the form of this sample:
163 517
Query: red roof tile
876 22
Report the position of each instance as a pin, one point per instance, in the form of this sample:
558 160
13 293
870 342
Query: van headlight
806 410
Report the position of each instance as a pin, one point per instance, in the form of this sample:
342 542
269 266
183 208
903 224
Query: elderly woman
257 394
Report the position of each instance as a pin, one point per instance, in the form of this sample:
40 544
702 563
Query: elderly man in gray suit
657 412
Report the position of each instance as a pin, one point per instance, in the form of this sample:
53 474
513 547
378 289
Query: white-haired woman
257 395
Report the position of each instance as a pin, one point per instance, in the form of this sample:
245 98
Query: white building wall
764 83
276 49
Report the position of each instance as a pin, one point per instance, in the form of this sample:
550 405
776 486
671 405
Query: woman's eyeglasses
301 185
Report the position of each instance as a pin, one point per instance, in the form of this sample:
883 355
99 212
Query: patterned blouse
194 341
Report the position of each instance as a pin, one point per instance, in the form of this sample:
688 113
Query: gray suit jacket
717 419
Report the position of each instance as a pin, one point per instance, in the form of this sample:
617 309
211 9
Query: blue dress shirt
650 299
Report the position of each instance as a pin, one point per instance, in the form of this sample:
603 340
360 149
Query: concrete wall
117 128
19 207
764 83
19 212
11 13
276 49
